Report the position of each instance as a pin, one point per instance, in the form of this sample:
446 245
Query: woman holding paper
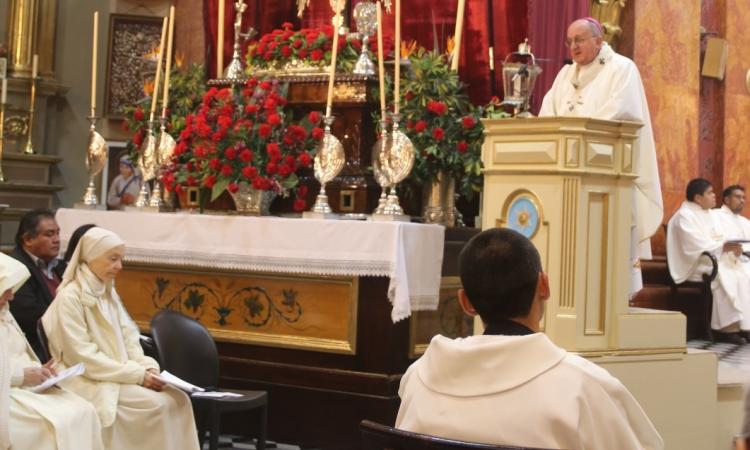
87 323
53 419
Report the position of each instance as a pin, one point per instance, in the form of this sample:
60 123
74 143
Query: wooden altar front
323 346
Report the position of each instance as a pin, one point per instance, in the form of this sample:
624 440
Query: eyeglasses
578 40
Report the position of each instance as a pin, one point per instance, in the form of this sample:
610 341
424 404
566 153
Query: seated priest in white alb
51 420
513 386
736 226
696 228
88 323
605 85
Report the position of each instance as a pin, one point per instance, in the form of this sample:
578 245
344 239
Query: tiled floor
734 360
229 442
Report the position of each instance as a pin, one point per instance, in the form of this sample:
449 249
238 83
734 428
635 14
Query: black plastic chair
42 340
376 436
187 350
704 287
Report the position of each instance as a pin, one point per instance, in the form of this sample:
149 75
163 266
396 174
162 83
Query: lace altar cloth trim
409 254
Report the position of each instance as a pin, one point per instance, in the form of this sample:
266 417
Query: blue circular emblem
523 216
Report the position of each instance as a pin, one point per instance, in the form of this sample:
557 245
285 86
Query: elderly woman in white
87 323
53 419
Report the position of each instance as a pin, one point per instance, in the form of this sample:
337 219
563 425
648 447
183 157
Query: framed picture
116 150
131 62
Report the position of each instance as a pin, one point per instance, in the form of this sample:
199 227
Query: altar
324 315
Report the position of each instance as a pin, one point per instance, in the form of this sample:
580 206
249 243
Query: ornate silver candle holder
96 158
365 17
396 162
329 160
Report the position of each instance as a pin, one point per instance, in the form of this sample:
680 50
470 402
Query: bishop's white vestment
610 88
694 230
523 391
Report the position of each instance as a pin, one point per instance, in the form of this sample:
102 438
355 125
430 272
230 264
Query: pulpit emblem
522 214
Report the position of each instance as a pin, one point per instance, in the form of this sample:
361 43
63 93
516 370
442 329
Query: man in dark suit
37 247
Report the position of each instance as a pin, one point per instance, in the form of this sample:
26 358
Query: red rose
138 114
266 85
468 122
304 159
178 188
297 43
180 148
138 139
230 153
264 130
287 26
271 168
286 51
232 187
259 183
462 147
420 126
356 43
214 163
251 109
438 134
273 148
249 172
273 119
191 181
226 170
317 133
209 181
302 53
300 205
314 117
302 191
437 108
285 171
316 55
269 104
246 155
288 139
251 82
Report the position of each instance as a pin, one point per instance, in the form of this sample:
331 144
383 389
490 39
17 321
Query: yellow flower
148 87
450 45
152 54
408 48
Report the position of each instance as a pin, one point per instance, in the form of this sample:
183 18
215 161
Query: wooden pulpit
567 184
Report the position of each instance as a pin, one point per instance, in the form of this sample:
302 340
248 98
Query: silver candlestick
147 166
329 160
396 162
235 70
96 158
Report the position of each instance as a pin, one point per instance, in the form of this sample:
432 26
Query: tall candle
155 94
331 79
381 68
397 61
4 96
220 42
94 41
459 32
167 71
34 66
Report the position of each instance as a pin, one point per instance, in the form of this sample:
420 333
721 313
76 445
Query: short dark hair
729 189
697 186
74 238
499 271
29 224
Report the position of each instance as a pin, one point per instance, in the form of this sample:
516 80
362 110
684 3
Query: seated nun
53 419
87 323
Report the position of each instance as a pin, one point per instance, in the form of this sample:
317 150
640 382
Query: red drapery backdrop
510 21
548 24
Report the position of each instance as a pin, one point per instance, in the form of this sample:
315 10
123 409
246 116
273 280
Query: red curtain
548 24
426 21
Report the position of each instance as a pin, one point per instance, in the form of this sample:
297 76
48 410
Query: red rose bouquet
244 135
308 46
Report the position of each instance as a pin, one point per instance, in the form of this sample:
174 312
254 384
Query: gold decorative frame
533 198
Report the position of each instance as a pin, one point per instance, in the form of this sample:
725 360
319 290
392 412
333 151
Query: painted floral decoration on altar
244 135
286 48
441 122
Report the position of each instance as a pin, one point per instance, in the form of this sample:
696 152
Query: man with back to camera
512 385
696 228
37 247
605 85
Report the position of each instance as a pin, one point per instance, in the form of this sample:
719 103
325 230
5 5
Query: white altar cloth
411 255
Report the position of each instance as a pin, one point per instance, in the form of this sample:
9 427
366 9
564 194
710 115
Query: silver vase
252 202
439 201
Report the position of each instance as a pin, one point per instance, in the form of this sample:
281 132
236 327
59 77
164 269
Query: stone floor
229 442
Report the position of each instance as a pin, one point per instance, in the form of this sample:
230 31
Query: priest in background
51 420
736 226
696 228
604 85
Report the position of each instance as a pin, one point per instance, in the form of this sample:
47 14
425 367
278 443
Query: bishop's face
583 45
